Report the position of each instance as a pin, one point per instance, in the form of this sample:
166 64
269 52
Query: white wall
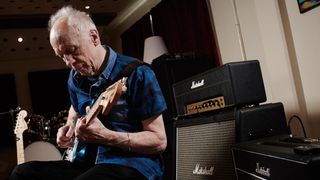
284 41
305 40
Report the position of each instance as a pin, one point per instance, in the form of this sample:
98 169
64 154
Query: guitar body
83 154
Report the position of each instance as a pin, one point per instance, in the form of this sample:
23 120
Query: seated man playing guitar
115 114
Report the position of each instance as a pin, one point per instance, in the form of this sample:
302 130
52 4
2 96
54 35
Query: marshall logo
262 170
197 84
203 170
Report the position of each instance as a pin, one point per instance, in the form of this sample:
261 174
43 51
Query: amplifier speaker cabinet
276 158
203 147
232 84
169 69
203 141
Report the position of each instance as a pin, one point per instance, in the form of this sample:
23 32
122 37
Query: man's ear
95 37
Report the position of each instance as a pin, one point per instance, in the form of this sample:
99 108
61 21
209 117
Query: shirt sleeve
72 94
145 96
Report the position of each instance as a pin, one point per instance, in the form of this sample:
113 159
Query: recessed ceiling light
87 7
20 39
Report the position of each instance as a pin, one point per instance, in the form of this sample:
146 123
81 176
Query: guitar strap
130 67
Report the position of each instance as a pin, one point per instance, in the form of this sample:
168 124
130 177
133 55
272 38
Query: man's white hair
78 19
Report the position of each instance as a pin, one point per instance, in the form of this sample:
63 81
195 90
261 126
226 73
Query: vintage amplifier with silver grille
203 147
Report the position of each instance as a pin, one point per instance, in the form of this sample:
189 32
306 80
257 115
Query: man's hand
65 136
93 132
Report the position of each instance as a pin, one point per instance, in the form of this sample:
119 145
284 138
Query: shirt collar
111 61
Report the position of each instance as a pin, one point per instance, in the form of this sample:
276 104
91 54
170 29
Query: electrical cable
300 121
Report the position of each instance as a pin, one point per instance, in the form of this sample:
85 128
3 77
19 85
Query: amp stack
216 109
170 69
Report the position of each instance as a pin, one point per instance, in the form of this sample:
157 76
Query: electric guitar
20 127
81 153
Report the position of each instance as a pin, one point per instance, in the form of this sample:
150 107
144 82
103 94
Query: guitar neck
20 149
106 99
94 110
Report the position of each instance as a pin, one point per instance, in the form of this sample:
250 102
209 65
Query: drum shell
41 151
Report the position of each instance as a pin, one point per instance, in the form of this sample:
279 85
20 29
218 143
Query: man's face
74 48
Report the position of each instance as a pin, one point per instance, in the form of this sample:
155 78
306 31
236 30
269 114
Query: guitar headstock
21 124
112 92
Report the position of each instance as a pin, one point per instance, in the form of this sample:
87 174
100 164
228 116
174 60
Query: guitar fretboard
20 149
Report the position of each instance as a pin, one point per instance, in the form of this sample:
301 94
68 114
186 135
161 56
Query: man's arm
65 133
151 140
72 116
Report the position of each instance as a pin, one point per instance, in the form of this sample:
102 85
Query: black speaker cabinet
203 141
233 84
272 158
203 147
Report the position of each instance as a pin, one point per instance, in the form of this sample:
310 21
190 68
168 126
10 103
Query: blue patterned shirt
143 99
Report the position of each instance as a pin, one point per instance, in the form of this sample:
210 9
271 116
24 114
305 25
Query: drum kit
40 137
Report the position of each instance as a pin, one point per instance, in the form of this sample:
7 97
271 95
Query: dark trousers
64 170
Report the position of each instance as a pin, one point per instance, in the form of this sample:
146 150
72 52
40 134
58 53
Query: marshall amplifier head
172 68
233 84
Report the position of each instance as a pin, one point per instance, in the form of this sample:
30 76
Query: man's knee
22 170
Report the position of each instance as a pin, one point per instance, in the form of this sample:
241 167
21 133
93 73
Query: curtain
184 25
133 38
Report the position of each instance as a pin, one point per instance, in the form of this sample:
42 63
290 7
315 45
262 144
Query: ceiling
28 19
